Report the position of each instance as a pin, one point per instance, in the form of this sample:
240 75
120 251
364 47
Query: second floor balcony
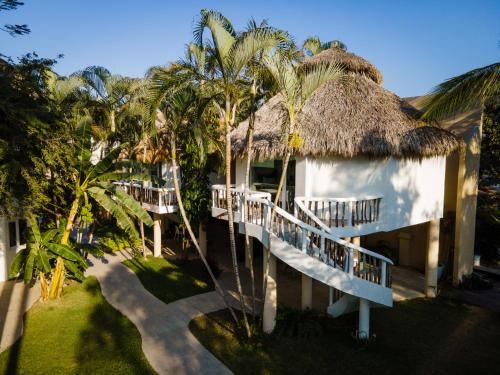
160 200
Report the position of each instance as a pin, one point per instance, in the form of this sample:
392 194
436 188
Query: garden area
78 334
421 336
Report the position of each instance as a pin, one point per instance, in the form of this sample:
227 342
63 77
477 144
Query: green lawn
415 337
170 280
80 334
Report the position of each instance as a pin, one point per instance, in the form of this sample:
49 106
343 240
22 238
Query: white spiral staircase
310 242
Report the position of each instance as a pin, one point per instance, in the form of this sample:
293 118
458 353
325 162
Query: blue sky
416 44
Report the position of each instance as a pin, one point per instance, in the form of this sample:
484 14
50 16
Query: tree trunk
230 216
113 121
189 229
249 251
71 218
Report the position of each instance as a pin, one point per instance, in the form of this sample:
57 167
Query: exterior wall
7 253
412 190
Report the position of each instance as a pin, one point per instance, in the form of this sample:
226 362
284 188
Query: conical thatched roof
361 118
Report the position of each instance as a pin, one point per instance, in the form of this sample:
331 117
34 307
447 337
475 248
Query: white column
306 297
248 252
157 235
202 238
432 259
364 319
271 297
356 241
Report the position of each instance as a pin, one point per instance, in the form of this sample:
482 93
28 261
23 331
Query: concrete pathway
167 342
15 299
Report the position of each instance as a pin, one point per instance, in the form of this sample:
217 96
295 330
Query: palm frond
462 93
313 78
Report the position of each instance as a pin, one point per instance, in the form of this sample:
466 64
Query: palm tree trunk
248 250
113 121
218 288
71 219
230 217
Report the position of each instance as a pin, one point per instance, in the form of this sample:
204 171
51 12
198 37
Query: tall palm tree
109 96
178 109
231 53
464 92
313 45
261 87
296 85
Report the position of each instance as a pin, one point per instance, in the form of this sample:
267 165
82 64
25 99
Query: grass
80 334
170 280
422 336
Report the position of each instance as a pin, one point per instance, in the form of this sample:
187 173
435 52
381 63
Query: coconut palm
261 87
109 95
464 92
313 45
296 85
177 110
231 54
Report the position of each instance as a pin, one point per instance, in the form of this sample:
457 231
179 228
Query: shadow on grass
106 333
170 280
416 337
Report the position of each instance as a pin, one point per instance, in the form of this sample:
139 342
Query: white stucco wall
413 190
7 253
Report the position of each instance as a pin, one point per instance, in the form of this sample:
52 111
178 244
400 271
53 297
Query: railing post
304 239
384 273
351 261
322 245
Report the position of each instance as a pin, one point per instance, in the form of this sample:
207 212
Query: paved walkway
15 299
167 342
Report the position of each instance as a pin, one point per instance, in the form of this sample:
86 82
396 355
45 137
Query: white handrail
322 231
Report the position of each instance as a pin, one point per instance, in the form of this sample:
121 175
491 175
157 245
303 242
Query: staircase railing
312 237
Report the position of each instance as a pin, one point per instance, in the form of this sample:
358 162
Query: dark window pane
23 231
12 233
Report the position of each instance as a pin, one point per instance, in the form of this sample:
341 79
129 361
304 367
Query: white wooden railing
160 197
340 212
311 238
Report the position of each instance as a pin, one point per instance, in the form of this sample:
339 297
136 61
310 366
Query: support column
404 248
271 297
202 238
248 252
157 235
356 241
432 259
364 319
306 297
465 222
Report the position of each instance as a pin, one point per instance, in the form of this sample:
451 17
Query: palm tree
261 87
313 45
109 95
296 85
464 92
175 108
231 54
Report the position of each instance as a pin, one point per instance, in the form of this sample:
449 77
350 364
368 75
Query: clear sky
416 44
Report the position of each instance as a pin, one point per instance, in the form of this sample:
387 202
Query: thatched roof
361 118
351 63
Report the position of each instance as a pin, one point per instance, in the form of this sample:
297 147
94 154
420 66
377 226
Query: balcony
157 200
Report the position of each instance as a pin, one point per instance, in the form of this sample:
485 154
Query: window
12 234
23 232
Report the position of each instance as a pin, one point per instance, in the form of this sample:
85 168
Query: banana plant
94 182
43 253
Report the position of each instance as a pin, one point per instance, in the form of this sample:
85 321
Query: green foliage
111 239
195 190
490 144
41 252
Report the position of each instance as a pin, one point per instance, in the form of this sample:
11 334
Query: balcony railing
154 199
